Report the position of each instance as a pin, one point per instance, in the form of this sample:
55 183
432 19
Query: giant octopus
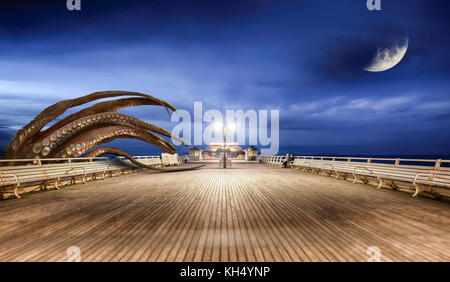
81 133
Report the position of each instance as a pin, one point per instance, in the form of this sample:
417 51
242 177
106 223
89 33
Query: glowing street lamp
230 127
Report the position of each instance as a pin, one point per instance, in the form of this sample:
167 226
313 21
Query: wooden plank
250 212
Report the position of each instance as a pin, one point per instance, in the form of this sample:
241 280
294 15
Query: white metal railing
16 162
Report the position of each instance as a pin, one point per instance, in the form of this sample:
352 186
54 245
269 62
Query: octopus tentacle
107 106
115 151
55 110
86 141
81 132
58 137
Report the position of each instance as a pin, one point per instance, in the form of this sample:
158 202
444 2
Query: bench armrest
10 174
75 168
327 164
362 168
421 174
415 181
17 182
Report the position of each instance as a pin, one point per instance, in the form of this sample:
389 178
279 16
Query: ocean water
135 147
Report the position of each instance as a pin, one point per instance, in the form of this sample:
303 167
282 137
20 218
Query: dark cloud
241 55
5 135
439 117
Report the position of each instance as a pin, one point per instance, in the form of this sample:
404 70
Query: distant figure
288 160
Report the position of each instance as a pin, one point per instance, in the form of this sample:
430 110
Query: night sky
305 58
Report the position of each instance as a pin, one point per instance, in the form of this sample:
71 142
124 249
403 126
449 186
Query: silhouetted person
288 160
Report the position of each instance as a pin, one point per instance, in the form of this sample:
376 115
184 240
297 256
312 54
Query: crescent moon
387 58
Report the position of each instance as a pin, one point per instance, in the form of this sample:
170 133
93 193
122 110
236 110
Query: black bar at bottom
143 272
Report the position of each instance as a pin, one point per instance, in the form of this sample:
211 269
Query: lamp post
224 147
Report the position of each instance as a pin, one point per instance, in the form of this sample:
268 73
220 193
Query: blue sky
305 58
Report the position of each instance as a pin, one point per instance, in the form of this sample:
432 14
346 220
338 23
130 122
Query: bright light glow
231 127
218 126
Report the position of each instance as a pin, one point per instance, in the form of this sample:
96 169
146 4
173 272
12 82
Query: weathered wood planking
249 212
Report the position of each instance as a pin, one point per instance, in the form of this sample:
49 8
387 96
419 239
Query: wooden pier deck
250 212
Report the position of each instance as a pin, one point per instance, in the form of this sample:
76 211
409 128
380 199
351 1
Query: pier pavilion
195 153
251 153
215 151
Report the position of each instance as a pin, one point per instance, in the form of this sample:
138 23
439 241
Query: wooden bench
18 176
63 171
439 177
385 171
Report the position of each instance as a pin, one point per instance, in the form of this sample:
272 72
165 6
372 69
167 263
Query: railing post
397 162
437 165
